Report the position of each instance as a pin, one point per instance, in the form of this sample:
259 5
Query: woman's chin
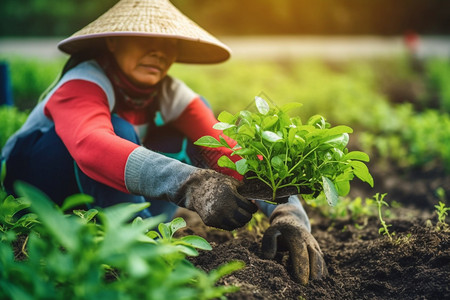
148 81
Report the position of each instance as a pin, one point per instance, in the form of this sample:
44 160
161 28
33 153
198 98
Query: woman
109 125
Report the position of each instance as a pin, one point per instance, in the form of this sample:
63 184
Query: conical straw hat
152 18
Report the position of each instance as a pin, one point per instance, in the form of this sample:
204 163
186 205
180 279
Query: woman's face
144 60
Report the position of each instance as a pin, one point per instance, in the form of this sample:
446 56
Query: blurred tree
48 17
388 17
320 16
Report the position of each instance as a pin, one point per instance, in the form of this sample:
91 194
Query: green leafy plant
410 138
379 199
442 212
12 120
438 74
281 151
186 244
356 209
70 256
30 77
11 219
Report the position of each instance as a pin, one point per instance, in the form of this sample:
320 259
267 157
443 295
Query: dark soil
257 190
361 263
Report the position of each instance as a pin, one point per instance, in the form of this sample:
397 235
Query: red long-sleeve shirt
82 118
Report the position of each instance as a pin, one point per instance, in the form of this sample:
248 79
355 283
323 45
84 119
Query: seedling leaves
269 121
271 136
197 242
223 126
187 249
50 217
330 191
361 171
281 152
164 230
176 224
241 166
247 130
226 162
76 200
262 105
87 216
225 117
208 141
357 155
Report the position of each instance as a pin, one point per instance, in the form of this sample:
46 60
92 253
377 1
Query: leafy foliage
11 216
356 209
442 212
70 256
187 244
257 17
12 120
411 139
438 71
30 77
282 151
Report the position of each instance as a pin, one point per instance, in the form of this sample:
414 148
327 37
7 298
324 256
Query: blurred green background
398 104
238 17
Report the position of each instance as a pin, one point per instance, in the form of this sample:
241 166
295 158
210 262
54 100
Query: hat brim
189 50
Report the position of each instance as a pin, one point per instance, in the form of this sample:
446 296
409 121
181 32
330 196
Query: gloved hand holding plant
280 152
215 198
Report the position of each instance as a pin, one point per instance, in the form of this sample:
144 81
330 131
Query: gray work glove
211 194
215 198
289 231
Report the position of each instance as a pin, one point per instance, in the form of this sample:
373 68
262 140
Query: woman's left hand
287 232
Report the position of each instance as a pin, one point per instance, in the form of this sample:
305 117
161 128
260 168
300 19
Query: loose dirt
362 264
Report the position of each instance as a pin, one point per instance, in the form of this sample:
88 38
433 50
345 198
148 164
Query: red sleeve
82 120
197 120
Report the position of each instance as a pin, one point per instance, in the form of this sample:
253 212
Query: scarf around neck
128 93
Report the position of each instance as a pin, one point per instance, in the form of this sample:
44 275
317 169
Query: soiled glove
214 197
289 231
211 194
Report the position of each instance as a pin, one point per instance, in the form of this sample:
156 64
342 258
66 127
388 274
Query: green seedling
281 151
187 244
355 209
11 216
442 212
379 199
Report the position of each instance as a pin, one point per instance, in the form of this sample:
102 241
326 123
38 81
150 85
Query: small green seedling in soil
281 151
12 216
442 212
379 199
356 209
187 244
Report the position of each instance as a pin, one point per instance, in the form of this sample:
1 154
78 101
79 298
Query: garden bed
362 264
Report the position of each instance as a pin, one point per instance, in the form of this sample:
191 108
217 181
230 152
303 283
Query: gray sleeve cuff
154 175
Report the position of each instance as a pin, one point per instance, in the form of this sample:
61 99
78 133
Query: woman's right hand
215 198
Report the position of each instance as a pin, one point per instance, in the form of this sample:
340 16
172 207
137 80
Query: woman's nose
158 54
